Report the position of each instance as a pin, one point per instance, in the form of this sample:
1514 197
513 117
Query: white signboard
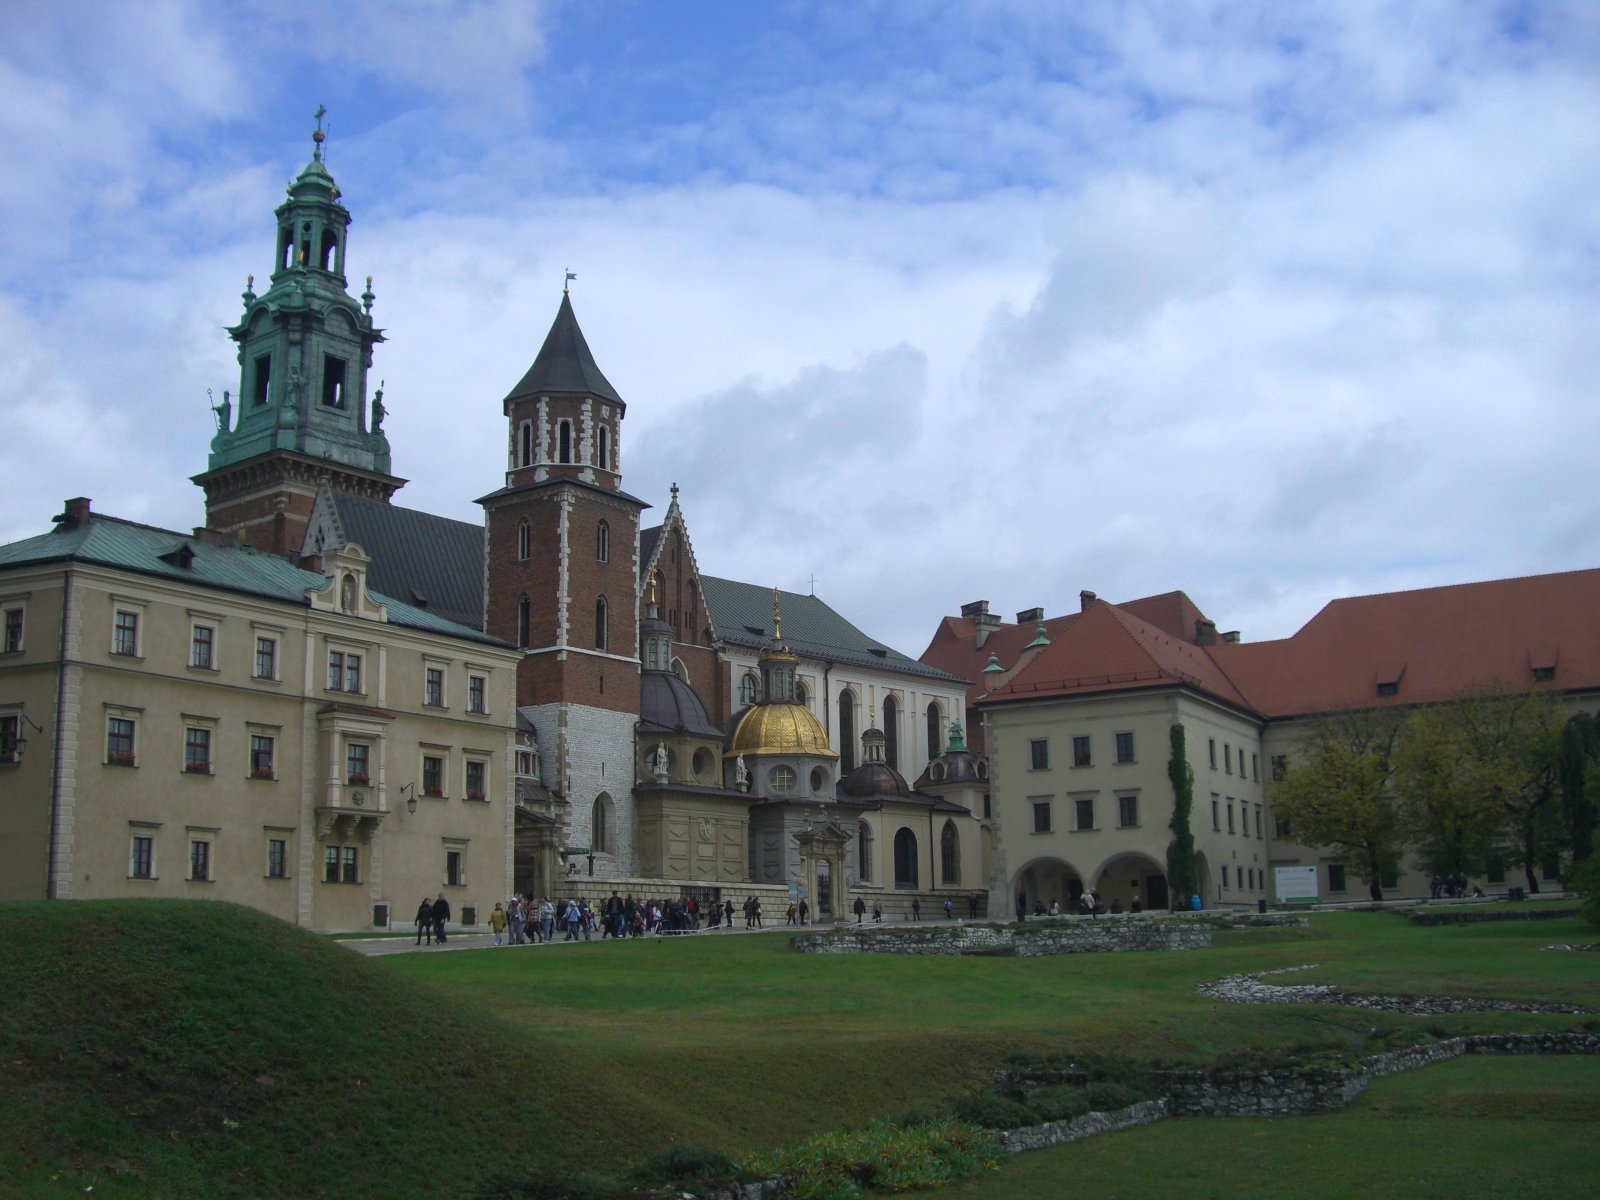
1296 885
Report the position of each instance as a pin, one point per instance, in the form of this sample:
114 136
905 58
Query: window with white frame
781 779
455 864
263 755
477 694
142 853
344 671
1084 806
1127 812
203 647
122 730
602 542
1125 747
10 731
197 750
524 541
125 633
748 690
433 687
12 643
357 763
340 865
200 857
277 855
266 659
433 775
477 779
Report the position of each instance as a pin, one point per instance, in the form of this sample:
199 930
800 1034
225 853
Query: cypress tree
1181 882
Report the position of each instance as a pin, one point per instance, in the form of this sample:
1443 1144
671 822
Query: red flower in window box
476 796
261 773
120 758
432 791
358 777
196 768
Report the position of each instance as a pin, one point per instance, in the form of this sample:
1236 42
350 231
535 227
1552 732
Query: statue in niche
378 410
659 760
741 774
224 412
291 388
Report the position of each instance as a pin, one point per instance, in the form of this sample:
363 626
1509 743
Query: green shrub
882 1157
686 1168
990 1110
1585 880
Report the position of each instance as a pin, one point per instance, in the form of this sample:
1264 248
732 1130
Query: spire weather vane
570 276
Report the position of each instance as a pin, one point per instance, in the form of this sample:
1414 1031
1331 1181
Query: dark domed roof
667 704
954 766
873 779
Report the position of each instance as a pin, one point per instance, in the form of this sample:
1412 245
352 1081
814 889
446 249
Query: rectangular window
13 636
1039 754
453 873
339 864
261 748
476 694
433 691
332 381
200 860
525 764
263 380
197 751
1495 872
1255 767
10 731
1080 752
1230 814
355 763
1336 877
1224 876
125 634
477 779
1280 827
1127 811
266 658
1212 745
119 742
352 672
432 775
1280 765
344 671
142 860
1258 823
1216 812
277 858
1041 816
1227 759
1083 811
202 646
1125 747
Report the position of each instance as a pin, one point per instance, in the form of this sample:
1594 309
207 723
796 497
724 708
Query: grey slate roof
741 613
434 563
564 364
113 542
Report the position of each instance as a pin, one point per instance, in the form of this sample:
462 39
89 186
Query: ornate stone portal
821 874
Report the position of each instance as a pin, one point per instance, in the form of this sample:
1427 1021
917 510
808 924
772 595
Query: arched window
891 732
602 542
950 855
604 460
525 445
600 623
905 859
522 622
864 853
935 730
524 541
748 689
847 732
602 835
564 442
801 694
330 243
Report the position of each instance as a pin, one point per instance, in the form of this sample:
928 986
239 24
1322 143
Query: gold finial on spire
655 573
777 618
318 137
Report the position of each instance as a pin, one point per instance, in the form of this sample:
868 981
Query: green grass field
173 1050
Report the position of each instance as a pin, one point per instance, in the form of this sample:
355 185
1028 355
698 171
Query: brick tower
561 548
305 347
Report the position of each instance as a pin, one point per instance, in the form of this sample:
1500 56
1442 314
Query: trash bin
1516 893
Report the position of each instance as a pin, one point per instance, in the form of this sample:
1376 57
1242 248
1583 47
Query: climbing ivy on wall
1181 882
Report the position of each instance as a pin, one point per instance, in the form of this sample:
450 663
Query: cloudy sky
934 303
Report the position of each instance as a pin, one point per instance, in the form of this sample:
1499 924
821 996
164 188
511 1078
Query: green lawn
171 1050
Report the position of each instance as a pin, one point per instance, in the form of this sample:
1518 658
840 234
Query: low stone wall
1082 937
1287 1091
1249 989
1474 916
1059 1133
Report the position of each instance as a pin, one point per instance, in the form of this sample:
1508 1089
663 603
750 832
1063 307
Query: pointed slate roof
564 364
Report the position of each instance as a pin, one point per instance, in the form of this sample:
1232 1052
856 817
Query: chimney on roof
1205 632
75 513
1231 637
1030 614
1086 598
983 621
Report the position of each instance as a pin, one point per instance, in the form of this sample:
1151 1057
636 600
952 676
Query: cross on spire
318 137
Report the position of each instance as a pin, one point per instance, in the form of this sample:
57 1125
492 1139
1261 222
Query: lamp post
410 793
19 744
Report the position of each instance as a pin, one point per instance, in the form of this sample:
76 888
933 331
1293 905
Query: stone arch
1204 883
935 729
603 825
1129 876
1044 879
906 869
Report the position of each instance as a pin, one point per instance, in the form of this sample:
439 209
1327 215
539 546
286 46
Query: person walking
805 912
916 908
727 913
441 914
949 909
861 909
498 922
514 919
547 919
425 921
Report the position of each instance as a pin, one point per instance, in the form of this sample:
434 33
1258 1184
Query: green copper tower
302 410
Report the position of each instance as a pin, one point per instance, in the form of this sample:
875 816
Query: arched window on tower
847 731
905 859
950 855
525 446
330 245
602 819
286 250
564 442
864 852
604 461
602 542
891 732
935 730
522 622
600 623
748 690
524 541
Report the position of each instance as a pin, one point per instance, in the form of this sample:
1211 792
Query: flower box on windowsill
358 780
477 796
120 760
436 793
197 768
261 773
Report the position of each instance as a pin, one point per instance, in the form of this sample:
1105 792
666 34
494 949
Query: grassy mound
199 1049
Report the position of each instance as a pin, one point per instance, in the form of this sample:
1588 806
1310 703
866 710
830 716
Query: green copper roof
564 365
147 550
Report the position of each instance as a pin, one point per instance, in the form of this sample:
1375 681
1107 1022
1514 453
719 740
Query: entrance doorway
824 888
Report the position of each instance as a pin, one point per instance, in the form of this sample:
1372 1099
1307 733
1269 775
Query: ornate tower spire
305 347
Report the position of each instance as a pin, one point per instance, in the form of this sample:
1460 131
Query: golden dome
779 729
